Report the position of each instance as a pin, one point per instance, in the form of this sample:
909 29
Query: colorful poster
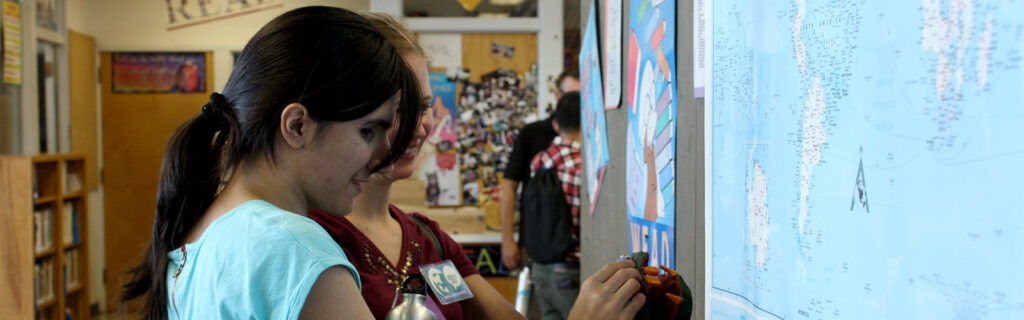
650 141
595 140
442 136
152 72
441 164
612 53
184 13
12 42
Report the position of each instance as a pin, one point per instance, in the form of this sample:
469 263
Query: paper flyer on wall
595 139
650 141
701 47
12 42
444 49
612 57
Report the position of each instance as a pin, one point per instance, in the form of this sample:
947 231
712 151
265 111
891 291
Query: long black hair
331 60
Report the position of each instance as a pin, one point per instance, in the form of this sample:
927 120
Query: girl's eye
367 134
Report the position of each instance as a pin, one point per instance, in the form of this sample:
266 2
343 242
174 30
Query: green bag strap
430 234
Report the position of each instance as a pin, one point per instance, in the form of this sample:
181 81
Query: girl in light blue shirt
302 123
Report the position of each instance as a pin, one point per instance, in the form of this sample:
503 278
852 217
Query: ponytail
189 178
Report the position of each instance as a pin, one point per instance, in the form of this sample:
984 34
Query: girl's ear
297 126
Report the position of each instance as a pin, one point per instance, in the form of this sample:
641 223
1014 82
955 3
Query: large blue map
867 159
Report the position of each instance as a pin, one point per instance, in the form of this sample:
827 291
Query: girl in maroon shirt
386 245
382 241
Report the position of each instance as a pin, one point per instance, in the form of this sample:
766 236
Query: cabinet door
136 128
16 242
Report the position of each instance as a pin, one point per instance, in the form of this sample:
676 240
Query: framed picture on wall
46 14
159 72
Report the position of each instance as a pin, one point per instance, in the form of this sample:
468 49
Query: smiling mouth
412 150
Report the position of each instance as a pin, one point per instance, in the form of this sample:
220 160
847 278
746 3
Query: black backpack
546 220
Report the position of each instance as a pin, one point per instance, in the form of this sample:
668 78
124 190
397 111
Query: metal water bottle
414 306
523 291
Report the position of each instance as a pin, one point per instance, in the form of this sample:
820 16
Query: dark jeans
556 286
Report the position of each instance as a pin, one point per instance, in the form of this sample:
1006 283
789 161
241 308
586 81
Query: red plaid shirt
566 158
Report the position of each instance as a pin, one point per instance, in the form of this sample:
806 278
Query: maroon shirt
379 276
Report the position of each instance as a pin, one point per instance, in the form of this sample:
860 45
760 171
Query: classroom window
48 114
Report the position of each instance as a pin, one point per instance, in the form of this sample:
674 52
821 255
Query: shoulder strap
430 234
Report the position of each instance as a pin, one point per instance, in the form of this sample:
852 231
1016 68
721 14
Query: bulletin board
483 55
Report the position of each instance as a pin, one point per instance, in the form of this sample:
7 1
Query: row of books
68 315
43 226
43 229
71 266
43 278
43 281
72 184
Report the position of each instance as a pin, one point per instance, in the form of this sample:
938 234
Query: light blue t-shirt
255 262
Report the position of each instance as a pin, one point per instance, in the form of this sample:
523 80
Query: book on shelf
35 187
72 182
71 268
43 281
74 227
70 232
42 229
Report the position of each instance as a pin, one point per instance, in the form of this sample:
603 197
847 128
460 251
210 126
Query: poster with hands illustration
650 142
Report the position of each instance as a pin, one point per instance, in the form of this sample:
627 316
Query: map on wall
651 135
867 160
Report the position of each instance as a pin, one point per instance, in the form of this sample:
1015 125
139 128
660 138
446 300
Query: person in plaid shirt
557 284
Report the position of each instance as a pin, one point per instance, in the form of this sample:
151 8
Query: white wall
77 15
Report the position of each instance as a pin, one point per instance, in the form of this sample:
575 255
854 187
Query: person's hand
611 293
510 254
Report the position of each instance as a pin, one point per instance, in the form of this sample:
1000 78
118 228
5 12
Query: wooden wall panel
82 87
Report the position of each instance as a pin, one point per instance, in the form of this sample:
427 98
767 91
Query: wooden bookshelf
44 227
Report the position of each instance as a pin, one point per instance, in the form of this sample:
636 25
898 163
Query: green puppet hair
685 311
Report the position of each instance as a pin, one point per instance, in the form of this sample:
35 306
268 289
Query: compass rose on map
861 195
